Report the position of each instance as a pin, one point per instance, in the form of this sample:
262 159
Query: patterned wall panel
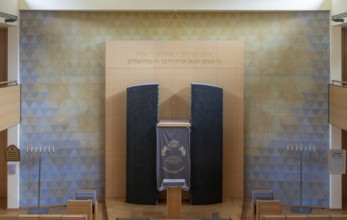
142 104
62 73
286 71
206 140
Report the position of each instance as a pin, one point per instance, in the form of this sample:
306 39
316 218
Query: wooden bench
44 217
8 217
84 207
304 217
268 207
85 194
259 195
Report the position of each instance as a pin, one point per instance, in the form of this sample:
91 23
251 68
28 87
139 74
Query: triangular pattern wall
62 72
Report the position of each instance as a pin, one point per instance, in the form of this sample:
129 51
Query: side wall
62 69
13 132
335 132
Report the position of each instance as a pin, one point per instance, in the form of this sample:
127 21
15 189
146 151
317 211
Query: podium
173 162
173 197
173 202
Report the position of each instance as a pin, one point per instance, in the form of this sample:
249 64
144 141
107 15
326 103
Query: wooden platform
117 207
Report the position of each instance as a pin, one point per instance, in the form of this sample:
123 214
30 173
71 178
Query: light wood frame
338 106
10 106
174 65
267 207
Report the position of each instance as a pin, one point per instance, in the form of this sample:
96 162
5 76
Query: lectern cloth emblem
173 156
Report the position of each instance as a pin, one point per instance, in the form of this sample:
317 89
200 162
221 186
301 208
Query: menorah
40 151
300 148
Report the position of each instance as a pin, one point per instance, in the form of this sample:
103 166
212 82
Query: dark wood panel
3 165
3 54
344 177
344 78
344 54
3 134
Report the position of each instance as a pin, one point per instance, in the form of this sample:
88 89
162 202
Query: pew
44 217
305 217
259 195
84 207
267 207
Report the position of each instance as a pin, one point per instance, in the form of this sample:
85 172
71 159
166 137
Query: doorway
344 133
3 134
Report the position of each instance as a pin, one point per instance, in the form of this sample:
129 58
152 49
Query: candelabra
300 149
40 151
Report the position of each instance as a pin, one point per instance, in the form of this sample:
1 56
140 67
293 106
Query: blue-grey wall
62 67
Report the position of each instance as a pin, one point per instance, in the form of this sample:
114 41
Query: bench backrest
304 217
44 217
84 207
266 207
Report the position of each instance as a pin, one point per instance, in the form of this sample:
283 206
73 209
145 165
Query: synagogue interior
158 109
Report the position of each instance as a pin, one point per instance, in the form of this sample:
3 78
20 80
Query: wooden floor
235 209
230 208
118 208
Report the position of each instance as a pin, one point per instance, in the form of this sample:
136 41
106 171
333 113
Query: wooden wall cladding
174 65
3 165
10 106
338 106
344 54
344 78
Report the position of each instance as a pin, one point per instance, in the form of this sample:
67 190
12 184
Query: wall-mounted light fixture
339 17
8 17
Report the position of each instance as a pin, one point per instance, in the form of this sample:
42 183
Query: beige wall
177 5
